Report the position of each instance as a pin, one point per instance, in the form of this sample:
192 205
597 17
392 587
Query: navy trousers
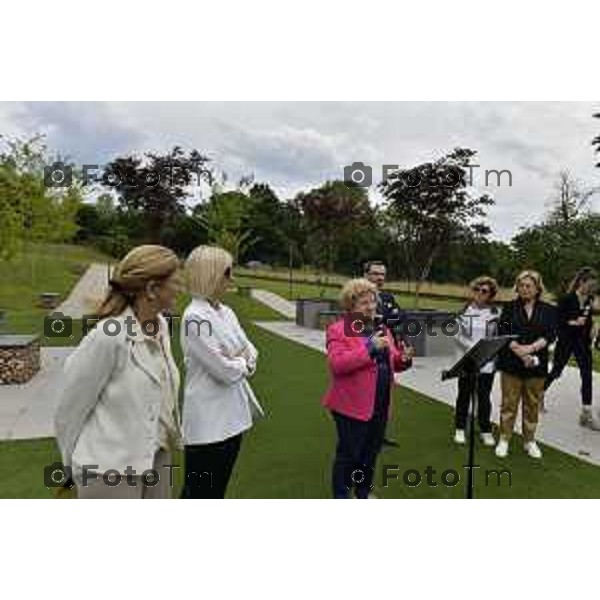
359 443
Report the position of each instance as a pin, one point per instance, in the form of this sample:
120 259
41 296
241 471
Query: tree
333 213
596 140
294 232
265 218
430 206
224 218
30 210
557 251
571 200
568 238
156 186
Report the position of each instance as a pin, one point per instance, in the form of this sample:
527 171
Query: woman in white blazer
118 420
218 404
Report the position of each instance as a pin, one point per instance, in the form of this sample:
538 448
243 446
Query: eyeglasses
482 290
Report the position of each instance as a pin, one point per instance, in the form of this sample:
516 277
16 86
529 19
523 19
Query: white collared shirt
219 358
476 324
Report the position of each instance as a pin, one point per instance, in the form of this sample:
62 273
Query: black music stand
469 366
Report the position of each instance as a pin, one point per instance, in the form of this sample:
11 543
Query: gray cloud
295 145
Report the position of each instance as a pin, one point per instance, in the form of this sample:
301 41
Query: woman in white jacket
219 405
479 320
118 420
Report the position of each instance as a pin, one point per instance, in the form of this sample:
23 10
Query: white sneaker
533 450
459 436
488 439
595 422
585 417
502 449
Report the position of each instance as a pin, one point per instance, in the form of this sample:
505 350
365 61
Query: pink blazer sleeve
344 355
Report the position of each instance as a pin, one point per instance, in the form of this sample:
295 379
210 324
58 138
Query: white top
219 358
113 390
477 324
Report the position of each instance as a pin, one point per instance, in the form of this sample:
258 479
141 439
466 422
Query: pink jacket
352 391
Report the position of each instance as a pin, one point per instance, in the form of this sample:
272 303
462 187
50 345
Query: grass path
43 268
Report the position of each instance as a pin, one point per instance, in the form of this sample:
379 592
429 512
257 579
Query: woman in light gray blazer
219 404
118 419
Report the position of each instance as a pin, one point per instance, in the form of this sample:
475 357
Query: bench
49 300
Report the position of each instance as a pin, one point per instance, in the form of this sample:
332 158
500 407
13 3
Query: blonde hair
205 270
353 289
486 280
130 277
535 277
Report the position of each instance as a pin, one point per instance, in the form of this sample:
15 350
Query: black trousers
208 468
485 381
359 443
567 346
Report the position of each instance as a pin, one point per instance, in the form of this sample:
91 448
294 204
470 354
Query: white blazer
111 397
218 400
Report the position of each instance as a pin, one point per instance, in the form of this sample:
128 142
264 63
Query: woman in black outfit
523 364
575 337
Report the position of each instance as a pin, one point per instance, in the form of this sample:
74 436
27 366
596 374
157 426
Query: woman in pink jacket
362 359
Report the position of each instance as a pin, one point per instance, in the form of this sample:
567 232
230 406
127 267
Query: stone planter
327 317
431 332
308 311
19 358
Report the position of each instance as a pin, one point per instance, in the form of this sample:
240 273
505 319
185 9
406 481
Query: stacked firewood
18 364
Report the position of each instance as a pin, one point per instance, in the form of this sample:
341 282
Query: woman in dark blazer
575 337
524 362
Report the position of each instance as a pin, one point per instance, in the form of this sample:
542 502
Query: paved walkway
558 428
86 294
276 302
27 410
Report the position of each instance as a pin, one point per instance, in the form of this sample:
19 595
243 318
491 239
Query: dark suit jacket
387 306
569 309
514 321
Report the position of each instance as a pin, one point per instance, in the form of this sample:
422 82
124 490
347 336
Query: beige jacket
112 396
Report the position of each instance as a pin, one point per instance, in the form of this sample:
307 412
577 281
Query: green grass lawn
43 268
309 290
288 454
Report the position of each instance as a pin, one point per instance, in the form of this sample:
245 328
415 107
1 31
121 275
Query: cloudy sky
294 146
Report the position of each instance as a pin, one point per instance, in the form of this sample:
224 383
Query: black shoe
390 442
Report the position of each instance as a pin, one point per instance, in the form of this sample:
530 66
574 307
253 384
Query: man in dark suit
375 271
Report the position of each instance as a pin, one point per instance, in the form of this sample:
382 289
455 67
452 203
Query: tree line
432 230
